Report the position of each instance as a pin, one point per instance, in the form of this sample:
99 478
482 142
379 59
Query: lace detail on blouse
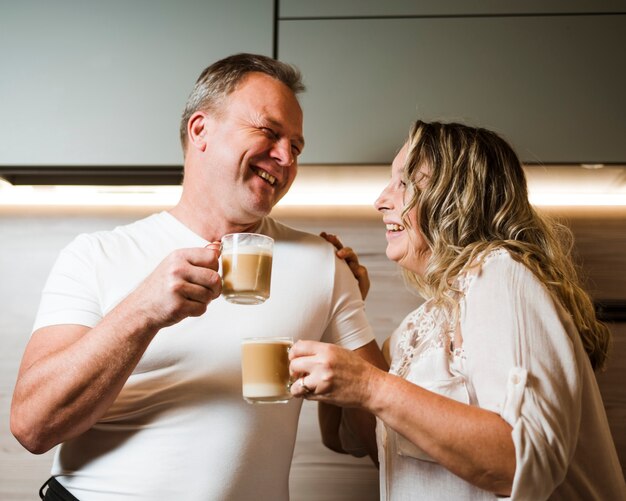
425 330
431 327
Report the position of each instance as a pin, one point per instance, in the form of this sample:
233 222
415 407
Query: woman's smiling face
405 245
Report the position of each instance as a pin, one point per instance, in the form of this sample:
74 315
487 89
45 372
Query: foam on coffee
265 370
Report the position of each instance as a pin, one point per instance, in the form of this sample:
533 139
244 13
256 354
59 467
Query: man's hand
181 286
103 357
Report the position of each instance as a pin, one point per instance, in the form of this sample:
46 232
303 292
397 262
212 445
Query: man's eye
270 132
295 149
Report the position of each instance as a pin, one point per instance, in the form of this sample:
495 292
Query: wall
29 245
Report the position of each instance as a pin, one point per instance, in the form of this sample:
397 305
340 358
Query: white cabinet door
105 82
553 85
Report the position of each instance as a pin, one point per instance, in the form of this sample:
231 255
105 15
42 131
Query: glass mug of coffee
246 267
265 369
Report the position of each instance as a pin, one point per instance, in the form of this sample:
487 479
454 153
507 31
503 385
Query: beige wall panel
29 245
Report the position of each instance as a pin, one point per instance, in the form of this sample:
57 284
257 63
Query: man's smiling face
252 148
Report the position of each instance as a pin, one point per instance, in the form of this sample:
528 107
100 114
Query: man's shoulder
135 232
149 224
282 232
301 245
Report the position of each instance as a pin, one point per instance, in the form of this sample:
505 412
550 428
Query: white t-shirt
180 429
522 358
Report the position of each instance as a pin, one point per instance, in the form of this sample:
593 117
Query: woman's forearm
473 443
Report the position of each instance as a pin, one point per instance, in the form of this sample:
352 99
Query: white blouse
522 358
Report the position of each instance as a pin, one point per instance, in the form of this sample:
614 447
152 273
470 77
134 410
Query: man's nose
282 152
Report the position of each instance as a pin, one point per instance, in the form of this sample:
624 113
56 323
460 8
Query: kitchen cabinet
97 83
305 9
551 84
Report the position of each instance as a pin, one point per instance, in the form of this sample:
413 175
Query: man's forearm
359 424
363 425
358 435
329 417
64 392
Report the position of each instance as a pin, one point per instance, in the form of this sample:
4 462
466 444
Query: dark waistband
55 491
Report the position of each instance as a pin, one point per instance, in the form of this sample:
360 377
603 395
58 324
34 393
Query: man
134 362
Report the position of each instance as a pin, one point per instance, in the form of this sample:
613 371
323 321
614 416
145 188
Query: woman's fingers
352 260
302 348
359 271
350 257
302 387
328 373
333 239
305 361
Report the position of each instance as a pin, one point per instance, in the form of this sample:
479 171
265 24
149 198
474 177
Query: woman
491 390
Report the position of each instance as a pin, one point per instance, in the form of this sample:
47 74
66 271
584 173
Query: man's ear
196 130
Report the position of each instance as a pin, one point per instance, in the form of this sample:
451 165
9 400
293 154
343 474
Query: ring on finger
304 386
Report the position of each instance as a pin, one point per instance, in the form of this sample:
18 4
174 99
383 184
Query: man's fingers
204 277
198 266
199 284
205 257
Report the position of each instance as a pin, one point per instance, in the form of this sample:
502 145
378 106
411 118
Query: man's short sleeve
70 294
348 325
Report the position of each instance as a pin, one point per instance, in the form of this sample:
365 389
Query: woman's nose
382 202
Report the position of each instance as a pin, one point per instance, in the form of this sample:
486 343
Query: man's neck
211 227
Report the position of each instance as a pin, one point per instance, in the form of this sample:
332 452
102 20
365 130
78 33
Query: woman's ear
196 130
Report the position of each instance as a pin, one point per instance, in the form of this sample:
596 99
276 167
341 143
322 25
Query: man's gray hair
221 78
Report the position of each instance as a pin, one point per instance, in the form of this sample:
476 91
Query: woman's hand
331 374
349 256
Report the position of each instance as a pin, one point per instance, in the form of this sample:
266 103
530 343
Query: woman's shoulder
496 268
500 272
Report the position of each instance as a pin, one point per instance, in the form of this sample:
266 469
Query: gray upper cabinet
104 82
551 84
383 8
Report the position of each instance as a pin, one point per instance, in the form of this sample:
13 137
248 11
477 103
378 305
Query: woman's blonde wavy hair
476 200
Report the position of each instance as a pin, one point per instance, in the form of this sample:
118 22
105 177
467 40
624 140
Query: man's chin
259 204
259 210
